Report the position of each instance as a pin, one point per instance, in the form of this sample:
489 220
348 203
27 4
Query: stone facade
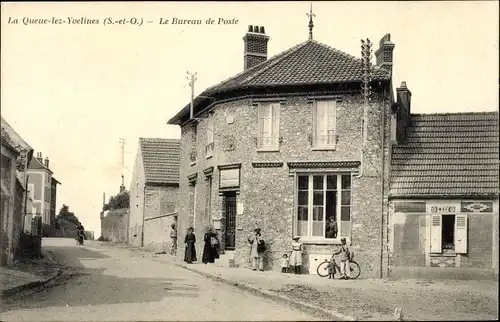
267 191
136 189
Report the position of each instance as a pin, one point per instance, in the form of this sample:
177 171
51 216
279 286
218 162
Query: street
105 283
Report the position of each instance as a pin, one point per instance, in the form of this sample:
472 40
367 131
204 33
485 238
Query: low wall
157 232
114 226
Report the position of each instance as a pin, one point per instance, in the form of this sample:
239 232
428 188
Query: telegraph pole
122 142
192 80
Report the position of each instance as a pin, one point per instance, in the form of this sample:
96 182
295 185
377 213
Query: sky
72 91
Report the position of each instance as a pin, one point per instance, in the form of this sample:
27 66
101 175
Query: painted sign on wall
229 178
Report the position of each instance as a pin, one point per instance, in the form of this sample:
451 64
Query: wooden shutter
31 189
321 122
330 126
210 128
260 115
461 234
275 110
436 231
314 122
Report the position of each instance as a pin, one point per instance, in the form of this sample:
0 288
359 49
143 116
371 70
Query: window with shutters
209 147
449 233
324 118
323 206
268 138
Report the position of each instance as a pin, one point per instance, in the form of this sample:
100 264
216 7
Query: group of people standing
210 248
257 250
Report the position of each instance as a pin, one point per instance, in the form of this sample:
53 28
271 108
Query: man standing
345 256
173 239
258 248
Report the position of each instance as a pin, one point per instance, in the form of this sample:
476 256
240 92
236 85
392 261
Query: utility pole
366 51
192 80
122 142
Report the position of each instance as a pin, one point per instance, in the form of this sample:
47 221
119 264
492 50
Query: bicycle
323 268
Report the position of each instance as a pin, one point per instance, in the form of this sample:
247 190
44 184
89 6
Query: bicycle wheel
323 269
355 270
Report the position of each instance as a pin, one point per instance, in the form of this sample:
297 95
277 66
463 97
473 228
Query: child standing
331 269
296 256
284 263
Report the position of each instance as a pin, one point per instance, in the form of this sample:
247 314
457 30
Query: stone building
443 217
16 157
281 146
154 193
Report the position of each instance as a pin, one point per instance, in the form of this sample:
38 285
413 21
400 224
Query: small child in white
284 263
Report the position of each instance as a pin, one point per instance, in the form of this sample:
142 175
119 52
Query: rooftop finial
311 25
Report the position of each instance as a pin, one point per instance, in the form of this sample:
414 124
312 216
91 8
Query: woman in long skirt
211 247
190 242
296 256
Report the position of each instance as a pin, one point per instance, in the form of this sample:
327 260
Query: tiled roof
35 164
14 137
448 155
310 62
161 160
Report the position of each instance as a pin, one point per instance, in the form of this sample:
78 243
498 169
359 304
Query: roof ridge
253 68
162 139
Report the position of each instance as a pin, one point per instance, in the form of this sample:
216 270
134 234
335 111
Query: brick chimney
39 157
255 46
384 53
403 113
46 162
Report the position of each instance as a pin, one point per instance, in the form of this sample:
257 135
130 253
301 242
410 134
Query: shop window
323 206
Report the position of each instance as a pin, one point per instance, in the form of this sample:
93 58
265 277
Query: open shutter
275 124
461 234
436 231
314 123
260 116
321 123
331 122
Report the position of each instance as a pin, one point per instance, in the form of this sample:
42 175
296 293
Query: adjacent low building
154 193
444 195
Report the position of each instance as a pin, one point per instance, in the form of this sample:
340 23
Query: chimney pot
256 29
46 162
403 84
262 31
250 28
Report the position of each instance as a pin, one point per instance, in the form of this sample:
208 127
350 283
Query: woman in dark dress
211 247
190 241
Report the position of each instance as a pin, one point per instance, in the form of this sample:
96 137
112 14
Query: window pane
346 198
318 182
303 198
345 228
345 213
318 214
346 182
302 213
318 229
331 182
303 182
331 204
302 228
318 198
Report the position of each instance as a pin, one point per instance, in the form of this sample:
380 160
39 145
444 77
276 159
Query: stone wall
137 189
267 194
157 232
114 225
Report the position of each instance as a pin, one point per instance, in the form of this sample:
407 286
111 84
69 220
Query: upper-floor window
210 135
31 191
269 126
324 117
194 135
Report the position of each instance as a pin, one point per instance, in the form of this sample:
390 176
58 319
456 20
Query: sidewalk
362 299
27 274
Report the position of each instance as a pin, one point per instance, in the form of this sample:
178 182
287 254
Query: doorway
230 220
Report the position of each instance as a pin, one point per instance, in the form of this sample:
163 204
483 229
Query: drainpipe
143 216
382 190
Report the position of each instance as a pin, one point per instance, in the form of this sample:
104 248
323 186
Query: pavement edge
36 284
272 295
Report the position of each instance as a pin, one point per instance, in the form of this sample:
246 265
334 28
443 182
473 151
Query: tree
67 216
120 201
